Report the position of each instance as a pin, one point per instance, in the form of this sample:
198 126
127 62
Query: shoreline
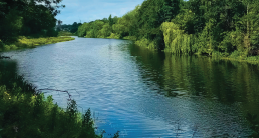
25 42
25 110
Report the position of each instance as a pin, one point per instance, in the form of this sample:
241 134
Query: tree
74 27
110 20
59 24
23 17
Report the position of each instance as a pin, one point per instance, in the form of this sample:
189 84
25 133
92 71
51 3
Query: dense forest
225 28
28 18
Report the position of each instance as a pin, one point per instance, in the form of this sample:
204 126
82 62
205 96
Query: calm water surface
144 93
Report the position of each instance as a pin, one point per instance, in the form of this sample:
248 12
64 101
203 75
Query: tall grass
24 42
26 113
65 33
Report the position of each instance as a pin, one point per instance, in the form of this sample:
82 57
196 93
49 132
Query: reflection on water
228 82
146 93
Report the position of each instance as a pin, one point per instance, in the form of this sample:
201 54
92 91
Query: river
145 93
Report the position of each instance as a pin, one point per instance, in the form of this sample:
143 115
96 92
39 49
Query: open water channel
144 93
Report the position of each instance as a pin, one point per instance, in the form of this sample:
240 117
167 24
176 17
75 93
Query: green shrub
6 47
237 55
25 112
64 33
130 37
143 42
253 58
115 36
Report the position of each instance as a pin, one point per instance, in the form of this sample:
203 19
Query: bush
25 112
143 42
253 58
237 55
64 33
130 37
115 36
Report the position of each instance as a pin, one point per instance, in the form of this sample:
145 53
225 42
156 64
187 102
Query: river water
145 93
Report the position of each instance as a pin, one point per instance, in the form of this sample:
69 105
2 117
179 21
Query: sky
90 10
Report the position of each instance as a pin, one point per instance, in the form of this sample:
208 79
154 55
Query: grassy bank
65 33
25 112
24 42
236 56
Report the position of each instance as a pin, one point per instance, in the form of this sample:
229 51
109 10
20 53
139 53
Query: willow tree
176 40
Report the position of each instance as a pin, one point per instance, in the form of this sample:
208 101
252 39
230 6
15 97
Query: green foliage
95 27
205 41
143 42
24 42
35 116
116 135
130 37
74 27
25 112
27 18
1 45
67 27
10 26
87 125
186 21
105 31
110 20
65 33
83 29
176 41
115 36
238 55
214 27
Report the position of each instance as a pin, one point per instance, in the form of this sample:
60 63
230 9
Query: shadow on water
228 82
9 76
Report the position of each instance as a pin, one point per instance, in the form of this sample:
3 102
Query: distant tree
74 27
59 24
110 20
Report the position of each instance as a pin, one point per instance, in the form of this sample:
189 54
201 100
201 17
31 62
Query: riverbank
25 112
65 33
25 42
234 56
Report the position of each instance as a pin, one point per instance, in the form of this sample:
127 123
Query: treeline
35 18
213 27
99 28
69 28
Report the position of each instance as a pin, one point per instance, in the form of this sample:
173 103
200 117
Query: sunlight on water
144 93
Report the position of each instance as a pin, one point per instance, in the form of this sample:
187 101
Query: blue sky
90 10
